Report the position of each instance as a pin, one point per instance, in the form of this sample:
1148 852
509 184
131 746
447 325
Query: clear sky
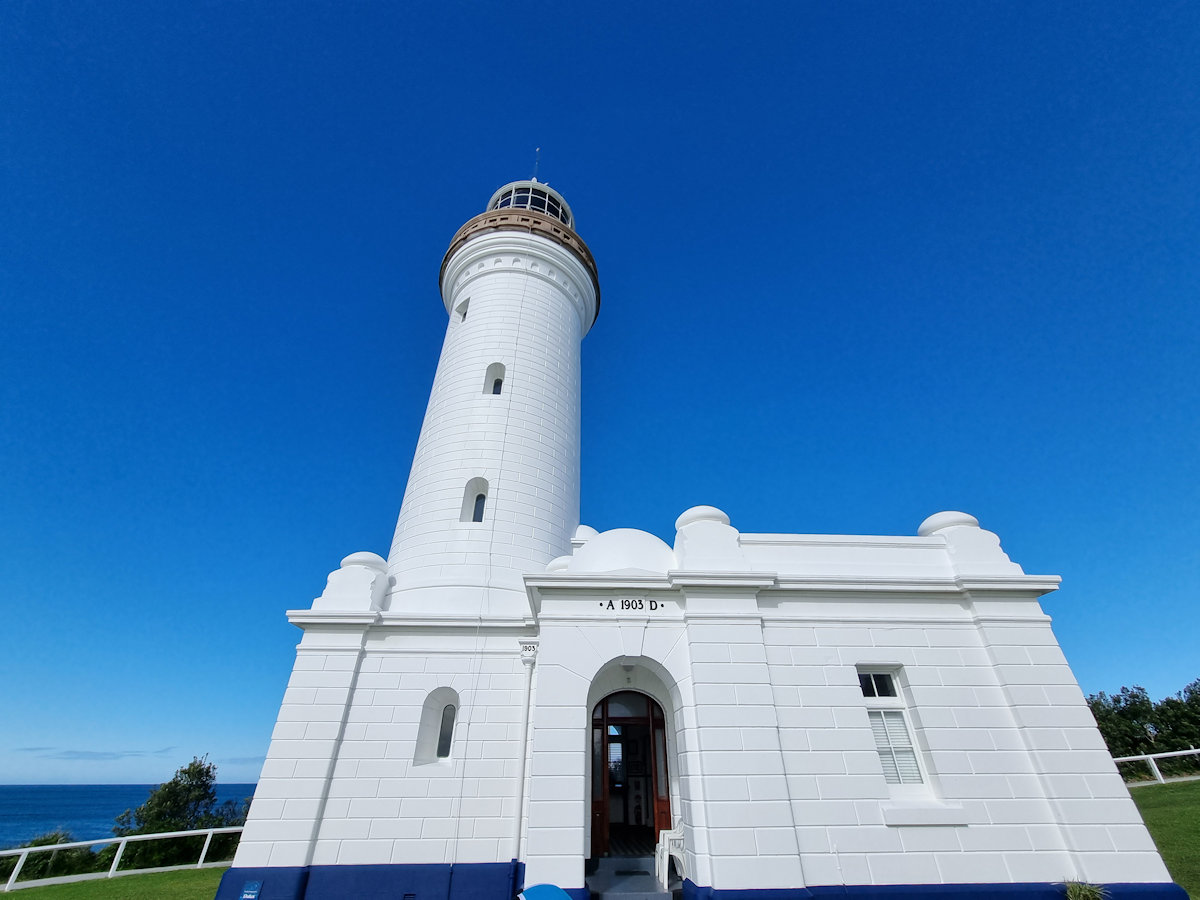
860 262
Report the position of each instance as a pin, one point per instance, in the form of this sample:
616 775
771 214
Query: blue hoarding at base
1027 891
433 881
281 883
503 881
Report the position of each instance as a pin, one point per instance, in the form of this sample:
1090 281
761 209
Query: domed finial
947 519
701 514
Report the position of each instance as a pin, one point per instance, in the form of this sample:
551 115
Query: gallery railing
23 853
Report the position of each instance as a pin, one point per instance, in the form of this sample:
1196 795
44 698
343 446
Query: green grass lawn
1172 813
189 884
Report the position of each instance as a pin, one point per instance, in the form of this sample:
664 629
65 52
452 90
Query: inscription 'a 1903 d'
631 604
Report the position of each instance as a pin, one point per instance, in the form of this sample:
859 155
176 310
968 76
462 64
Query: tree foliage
1126 721
186 802
1132 724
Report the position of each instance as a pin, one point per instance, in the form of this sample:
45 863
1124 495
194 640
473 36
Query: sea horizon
87 811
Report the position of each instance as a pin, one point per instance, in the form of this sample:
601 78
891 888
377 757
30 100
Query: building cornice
383 619
306 617
456 623
1027 585
842 540
735 580
555 581
1033 585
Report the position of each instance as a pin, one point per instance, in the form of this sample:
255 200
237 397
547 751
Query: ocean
85 810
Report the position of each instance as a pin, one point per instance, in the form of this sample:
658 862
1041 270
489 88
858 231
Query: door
631 793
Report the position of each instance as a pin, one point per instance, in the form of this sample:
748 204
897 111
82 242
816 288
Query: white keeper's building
512 698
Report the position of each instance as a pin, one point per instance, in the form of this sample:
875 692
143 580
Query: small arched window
446 732
474 500
461 309
435 733
493 380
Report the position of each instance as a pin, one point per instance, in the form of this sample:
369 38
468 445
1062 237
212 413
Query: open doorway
631 794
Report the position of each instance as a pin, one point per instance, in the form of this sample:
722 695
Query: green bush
186 802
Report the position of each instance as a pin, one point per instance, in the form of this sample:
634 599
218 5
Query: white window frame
475 488
895 709
429 731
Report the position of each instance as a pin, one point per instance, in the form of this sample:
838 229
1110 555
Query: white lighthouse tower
494 488
399 755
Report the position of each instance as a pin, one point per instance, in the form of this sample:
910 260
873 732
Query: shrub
186 802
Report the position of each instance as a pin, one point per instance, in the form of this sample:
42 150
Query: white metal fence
23 853
1149 759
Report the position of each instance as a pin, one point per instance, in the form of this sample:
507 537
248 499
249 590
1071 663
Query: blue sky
860 262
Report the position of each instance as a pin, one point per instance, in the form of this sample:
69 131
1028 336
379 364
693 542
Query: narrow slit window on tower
446 732
474 500
493 379
461 309
435 732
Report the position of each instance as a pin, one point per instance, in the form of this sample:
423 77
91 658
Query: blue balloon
543 892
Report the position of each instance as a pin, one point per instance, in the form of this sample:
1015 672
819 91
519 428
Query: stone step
639 895
626 878
628 864
631 890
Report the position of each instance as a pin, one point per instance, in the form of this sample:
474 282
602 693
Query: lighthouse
403 736
513 699
493 493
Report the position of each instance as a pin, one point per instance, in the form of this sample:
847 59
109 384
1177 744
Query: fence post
117 858
12 879
204 850
1154 769
22 853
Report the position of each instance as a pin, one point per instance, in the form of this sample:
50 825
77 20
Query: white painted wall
530 301
775 778
780 782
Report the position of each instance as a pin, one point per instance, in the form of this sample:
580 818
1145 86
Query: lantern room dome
534 195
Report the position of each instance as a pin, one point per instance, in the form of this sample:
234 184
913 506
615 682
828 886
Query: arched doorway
631 793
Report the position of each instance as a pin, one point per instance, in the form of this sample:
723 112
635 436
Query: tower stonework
503 420
512 698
